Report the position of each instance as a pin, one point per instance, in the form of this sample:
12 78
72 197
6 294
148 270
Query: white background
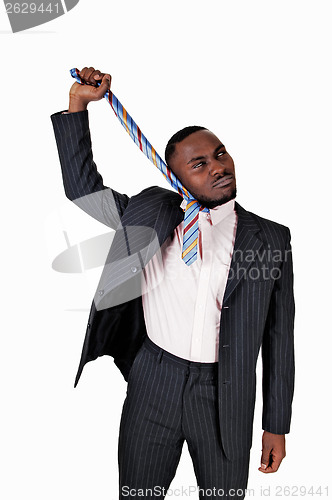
257 73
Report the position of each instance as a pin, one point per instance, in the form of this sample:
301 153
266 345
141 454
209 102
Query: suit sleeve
278 350
82 182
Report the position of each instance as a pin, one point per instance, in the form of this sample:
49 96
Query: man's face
204 167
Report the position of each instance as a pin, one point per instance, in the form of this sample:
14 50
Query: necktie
193 207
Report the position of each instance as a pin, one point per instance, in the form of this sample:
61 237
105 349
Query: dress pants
169 400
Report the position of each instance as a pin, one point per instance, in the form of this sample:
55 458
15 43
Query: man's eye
198 164
221 153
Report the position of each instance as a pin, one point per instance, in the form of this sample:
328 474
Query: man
188 341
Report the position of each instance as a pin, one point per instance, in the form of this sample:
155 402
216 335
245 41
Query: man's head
200 161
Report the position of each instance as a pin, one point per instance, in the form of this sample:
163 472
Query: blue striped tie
193 207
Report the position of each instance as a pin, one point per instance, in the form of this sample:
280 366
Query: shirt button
133 269
101 292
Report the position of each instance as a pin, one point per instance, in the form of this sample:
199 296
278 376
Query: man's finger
82 73
95 77
273 465
89 73
265 459
104 86
264 468
276 461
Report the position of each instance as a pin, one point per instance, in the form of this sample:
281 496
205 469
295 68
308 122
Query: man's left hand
273 451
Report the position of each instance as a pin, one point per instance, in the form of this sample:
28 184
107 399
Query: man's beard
209 203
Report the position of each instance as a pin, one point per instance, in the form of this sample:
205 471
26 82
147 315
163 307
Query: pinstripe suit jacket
258 305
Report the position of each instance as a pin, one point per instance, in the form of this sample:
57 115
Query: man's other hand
273 451
80 95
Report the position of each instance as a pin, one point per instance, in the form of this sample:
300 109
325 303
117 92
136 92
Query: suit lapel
246 245
164 203
144 227
169 217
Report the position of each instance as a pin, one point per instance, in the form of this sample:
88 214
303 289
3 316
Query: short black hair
178 137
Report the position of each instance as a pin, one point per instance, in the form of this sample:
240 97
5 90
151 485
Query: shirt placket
204 224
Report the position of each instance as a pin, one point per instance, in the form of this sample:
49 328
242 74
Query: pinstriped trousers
170 400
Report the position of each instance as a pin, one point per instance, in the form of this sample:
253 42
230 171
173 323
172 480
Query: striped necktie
190 231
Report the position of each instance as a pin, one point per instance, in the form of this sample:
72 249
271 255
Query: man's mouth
224 181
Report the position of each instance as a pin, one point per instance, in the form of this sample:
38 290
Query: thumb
105 85
265 459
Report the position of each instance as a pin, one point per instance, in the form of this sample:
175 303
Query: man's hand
273 451
80 95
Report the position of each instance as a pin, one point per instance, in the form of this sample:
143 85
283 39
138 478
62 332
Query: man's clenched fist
80 95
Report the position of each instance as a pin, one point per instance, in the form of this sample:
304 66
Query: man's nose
217 167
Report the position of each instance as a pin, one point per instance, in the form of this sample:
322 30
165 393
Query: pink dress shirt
182 304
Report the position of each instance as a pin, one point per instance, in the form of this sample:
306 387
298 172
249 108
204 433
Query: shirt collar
218 213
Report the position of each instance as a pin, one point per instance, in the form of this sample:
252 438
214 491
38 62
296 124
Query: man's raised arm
83 183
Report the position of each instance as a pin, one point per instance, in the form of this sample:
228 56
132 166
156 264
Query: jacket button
101 292
134 269
89 325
